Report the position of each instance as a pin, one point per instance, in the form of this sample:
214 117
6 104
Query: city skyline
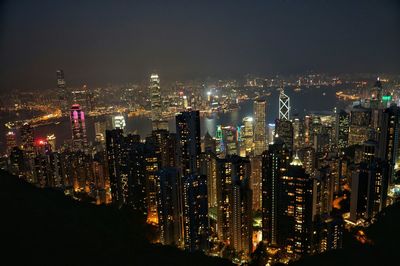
230 133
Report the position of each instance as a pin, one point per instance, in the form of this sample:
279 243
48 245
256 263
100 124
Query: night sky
100 42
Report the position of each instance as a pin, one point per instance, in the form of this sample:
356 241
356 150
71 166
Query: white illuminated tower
155 97
284 106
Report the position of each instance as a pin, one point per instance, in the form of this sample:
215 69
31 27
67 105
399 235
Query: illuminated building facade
343 129
284 130
155 100
248 135
389 147
188 133
195 212
260 126
296 215
360 122
168 206
284 106
369 188
275 162
62 91
11 142
79 138
117 166
118 121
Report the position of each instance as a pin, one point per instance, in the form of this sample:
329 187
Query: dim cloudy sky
100 42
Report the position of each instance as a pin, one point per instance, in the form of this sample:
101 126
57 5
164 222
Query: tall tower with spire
284 106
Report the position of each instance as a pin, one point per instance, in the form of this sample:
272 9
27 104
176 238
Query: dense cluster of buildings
205 193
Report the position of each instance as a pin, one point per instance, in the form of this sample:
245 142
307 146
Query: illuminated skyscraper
369 188
155 100
117 166
51 140
275 162
60 79
260 126
284 130
119 122
389 147
343 129
27 138
188 132
230 140
11 141
100 130
256 181
296 215
271 133
62 91
79 139
284 106
195 212
360 125
168 206
248 135
208 167
230 171
241 215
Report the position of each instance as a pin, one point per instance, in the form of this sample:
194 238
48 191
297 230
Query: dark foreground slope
384 247
43 227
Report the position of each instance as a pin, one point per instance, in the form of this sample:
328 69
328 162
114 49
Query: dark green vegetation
44 227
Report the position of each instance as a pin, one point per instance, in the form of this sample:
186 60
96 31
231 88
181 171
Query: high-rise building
51 140
256 181
137 154
331 234
230 170
230 140
18 165
188 133
155 100
271 133
27 138
284 106
260 126
343 129
275 162
284 130
297 133
369 186
152 164
240 235
62 91
168 206
100 128
208 167
11 142
209 144
118 121
296 215
389 143
307 156
195 212
117 166
248 135
79 138
360 122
